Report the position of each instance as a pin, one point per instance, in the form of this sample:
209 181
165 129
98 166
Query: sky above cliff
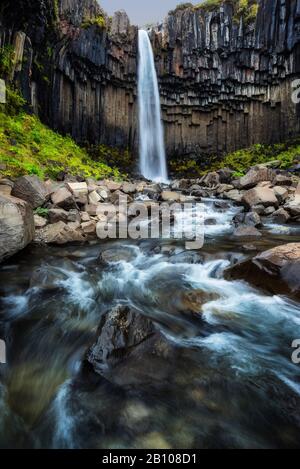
141 12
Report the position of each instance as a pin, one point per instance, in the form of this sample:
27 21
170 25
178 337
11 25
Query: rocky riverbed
123 343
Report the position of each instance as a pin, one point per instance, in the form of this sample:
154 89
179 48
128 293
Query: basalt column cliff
225 81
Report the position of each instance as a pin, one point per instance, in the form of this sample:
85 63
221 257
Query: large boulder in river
130 350
31 189
16 225
260 195
276 270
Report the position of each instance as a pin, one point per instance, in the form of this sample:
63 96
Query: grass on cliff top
29 147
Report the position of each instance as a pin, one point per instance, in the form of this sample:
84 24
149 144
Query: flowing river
233 383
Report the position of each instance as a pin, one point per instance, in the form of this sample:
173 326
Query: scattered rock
89 227
254 176
57 214
31 189
16 225
260 196
247 232
60 233
281 216
234 195
128 188
113 186
281 193
252 219
169 196
63 198
276 270
283 180
94 198
39 222
78 189
118 254
269 211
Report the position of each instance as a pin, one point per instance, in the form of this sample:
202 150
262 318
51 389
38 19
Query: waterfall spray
152 151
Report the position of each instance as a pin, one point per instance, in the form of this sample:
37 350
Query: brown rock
247 232
276 270
63 198
254 176
39 222
57 214
260 196
31 189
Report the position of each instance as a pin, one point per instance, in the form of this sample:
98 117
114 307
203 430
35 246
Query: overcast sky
141 12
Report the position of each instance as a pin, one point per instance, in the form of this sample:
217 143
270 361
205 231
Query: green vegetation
241 160
99 21
247 9
7 55
42 212
29 147
112 156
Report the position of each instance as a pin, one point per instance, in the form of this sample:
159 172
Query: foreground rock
16 225
276 270
130 350
32 190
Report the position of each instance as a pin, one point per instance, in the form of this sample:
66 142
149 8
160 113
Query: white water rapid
152 151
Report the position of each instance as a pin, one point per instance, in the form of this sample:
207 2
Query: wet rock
130 350
63 198
293 206
219 204
280 216
260 196
259 209
169 196
211 179
31 189
252 219
16 225
269 211
247 232
276 270
113 255
187 257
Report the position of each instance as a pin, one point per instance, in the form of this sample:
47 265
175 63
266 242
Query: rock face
217 73
129 349
16 225
276 270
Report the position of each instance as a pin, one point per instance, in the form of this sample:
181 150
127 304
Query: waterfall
152 150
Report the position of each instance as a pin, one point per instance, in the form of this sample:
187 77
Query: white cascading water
152 150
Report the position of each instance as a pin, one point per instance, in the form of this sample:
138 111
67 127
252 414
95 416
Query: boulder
129 188
60 233
94 198
39 222
234 195
63 198
78 189
260 196
57 214
89 227
281 193
16 225
254 176
252 219
283 180
280 216
113 186
118 254
293 206
130 350
244 231
211 179
31 189
276 270
225 175
169 196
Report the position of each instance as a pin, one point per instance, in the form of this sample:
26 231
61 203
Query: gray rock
31 189
247 232
16 225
